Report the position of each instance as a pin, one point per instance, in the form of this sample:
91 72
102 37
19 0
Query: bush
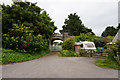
68 44
114 53
21 39
68 53
99 42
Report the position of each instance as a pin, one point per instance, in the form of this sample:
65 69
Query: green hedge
68 53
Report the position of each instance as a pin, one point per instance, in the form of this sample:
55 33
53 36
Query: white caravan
87 46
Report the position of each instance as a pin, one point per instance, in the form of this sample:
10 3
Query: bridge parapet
57 36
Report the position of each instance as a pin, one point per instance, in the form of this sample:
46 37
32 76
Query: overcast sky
95 14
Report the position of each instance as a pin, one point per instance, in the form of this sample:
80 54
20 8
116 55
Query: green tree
109 31
26 27
68 44
29 15
85 37
73 25
118 26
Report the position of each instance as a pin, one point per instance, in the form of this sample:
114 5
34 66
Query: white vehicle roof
85 46
87 42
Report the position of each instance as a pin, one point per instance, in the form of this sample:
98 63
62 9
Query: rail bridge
57 36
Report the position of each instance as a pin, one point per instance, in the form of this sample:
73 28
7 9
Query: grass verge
107 64
10 56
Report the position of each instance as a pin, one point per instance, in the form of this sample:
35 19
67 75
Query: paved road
52 66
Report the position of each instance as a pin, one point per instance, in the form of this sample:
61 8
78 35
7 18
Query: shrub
68 44
114 52
99 42
21 39
68 53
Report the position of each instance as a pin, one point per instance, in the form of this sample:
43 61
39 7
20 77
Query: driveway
52 66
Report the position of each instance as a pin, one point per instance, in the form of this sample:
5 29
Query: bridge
57 36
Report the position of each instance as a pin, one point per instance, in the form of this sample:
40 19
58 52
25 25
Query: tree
55 43
99 42
69 44
118 26
109 31
73 25
26 27
85 37
30 15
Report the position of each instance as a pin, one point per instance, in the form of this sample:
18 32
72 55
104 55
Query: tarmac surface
52 66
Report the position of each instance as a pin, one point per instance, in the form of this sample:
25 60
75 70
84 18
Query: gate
56 48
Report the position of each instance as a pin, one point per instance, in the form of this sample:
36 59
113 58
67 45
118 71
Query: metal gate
56 48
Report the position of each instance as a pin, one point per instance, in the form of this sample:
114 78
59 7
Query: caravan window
81 45
90 45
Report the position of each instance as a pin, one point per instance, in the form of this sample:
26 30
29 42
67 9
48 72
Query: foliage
86 53
85 37
73 25
21 38
99 42
118 26
26 27
107 64
55 43
68 53
60 43
10 56
68 44
109 31
29 15
108 39
114 53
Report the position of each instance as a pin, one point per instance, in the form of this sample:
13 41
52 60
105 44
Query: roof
79 43
117 36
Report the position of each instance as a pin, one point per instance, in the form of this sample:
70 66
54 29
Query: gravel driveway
52 66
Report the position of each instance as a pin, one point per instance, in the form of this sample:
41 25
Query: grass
107 64
10 56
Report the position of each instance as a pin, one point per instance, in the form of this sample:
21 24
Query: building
117 37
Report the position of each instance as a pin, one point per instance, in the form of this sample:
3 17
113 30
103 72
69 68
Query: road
52 66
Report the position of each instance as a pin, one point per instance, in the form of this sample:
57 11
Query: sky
95 14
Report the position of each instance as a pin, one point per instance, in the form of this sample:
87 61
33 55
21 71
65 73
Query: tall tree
30 15
73 25
109 31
